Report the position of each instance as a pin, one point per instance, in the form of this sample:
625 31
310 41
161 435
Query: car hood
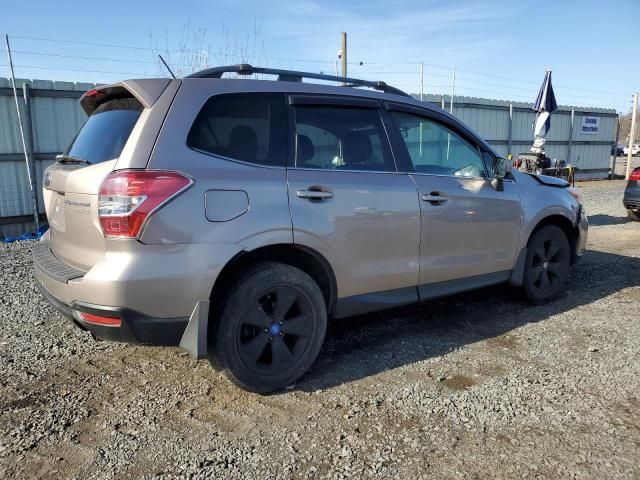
551 181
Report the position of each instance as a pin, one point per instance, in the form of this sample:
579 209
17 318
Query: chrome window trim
386 172
235 160
456 176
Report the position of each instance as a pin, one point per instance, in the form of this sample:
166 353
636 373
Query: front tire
271 328
547 265
634 215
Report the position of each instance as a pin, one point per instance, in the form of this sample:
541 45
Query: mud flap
194 338
517 274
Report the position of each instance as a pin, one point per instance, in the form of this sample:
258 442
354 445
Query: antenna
165 64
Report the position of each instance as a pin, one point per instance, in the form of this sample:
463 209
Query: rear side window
341 138
105 133
247 127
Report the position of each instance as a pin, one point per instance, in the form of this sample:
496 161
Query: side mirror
501 168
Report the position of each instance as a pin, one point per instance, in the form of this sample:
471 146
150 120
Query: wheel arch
306 259
567 226
570 230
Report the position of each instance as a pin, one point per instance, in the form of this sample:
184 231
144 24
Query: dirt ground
475 386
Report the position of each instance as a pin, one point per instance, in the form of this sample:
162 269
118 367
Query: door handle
314 194
434 198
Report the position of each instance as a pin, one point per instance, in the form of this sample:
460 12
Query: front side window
341 138
437 150
244 126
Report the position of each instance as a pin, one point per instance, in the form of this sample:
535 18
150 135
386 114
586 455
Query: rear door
468 228
347 199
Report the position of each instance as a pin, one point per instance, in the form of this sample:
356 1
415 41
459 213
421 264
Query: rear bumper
135 328
159 281
153 289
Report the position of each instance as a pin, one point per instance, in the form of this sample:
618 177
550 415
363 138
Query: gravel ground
474 386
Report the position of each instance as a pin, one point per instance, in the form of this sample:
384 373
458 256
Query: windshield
106 131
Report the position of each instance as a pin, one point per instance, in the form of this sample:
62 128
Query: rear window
246 126
105 133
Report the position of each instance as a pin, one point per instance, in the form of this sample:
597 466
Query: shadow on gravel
603 220
362 346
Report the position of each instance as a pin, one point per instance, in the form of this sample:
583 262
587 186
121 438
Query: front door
469 230
349 203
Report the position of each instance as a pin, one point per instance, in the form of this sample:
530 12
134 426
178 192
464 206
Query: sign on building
590 125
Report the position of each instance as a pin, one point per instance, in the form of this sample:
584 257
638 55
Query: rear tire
634 215
547 265
271 328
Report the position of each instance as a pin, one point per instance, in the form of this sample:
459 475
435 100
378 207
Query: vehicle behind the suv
631 199
234 217
635 149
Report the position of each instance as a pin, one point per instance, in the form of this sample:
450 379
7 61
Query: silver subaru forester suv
233 217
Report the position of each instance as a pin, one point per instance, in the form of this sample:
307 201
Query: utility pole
343 55
632 135
510 137
422 81
34 198
422 100
453 88
616 141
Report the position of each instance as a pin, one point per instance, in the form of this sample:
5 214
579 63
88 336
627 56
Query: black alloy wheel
271 327
547 265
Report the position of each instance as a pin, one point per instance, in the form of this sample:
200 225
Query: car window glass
435 149
247 127
341 138
106 131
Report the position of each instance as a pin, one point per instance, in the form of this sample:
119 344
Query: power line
511 79
149 49
297 60
78 42
500 85
76 69
605 97
78 57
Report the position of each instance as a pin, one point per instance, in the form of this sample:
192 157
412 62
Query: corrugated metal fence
56 116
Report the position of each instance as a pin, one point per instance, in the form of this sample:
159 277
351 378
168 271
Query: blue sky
500 48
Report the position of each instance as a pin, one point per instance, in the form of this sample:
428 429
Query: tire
547 265
271 328
634 215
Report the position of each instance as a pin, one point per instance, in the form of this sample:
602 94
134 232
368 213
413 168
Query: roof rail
293 76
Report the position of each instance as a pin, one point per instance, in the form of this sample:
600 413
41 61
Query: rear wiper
70 159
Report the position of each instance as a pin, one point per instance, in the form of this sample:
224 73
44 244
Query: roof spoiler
147 91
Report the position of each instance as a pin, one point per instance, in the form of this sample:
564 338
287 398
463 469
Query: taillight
128 197
635 174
